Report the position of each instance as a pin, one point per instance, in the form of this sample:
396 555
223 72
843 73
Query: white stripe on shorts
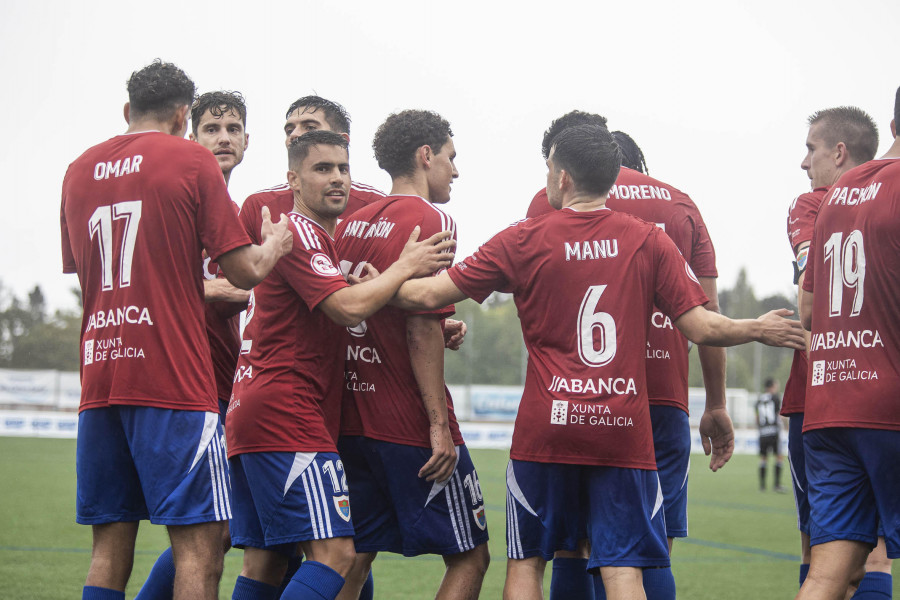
311 506
326 514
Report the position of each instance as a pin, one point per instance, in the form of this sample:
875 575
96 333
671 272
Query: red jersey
800 222
854 258
287 386
280 200
585 284
137 212
382 399
672 210
223 328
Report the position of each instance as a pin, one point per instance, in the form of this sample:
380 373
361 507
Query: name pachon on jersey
853 196
119 168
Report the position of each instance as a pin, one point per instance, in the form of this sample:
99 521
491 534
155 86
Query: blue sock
91 592
294 563
161 581
368 589
875 586
570 580
250 589
659 584
314 581
599 590
804 571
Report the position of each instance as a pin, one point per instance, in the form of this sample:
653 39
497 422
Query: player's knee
878 561
476 560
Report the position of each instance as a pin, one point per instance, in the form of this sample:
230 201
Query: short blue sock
804 571
368 589
570 580
599 590
294 563
875 586
250 589
659 584
314 581
161 581
92 592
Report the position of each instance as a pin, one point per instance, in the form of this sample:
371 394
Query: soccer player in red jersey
400 441
582 451
289 484
638 194
137 212
218 123
309 113
851 429
838 140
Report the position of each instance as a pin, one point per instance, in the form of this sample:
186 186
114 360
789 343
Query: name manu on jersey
848 196
592 249
127 166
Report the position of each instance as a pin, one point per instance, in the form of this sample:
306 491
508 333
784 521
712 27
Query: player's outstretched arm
220 290
426 356
348 306
712 329
716 428
429 293
246 266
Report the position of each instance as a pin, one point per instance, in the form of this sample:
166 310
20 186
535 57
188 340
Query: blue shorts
397 511
853 482
283 498
797 461
549 507
139 462
672 441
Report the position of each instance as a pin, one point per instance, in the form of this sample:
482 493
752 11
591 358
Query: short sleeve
677 288
486 271
68 257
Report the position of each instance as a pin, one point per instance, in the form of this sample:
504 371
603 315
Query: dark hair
570 119
335 114
401 134
849 125
632 156
299 148
897 109
769 382
218 103
158 89
590 155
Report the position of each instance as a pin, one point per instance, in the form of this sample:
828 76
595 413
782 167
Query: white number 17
100 225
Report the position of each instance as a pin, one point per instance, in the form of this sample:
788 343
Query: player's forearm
351 305
712 329
712 363
426 354
428 293
220 290
246 266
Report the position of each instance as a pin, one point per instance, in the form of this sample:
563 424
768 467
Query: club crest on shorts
480 519
342 505
559 413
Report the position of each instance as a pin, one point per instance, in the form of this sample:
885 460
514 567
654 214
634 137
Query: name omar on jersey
592 249
127 166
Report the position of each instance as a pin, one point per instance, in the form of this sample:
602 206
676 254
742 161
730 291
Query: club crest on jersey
480 519
560 412
342 505
322 265
690 273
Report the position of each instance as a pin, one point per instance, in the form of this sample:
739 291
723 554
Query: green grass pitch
743 543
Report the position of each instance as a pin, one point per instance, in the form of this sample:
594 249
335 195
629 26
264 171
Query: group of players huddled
324 433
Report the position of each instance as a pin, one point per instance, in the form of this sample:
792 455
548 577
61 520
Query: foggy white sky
716 94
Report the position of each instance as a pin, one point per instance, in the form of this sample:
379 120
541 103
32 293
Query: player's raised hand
277 231
371 273
779 331
426 257
454 333
717 436
443 455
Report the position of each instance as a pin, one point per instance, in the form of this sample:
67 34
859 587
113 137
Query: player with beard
289 487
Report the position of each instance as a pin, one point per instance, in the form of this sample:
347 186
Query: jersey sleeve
429 226
218 225
251 217
802 219
310 267
810 277
677 288
486 270
703 254
68 257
